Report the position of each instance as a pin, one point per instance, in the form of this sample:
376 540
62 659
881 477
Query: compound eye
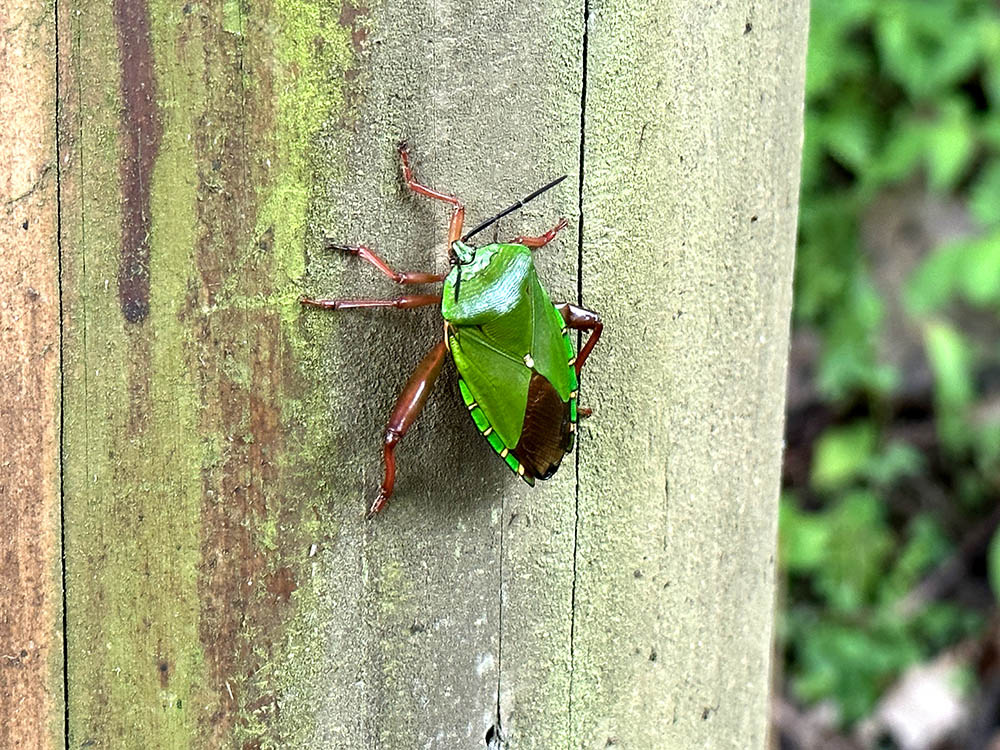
462 253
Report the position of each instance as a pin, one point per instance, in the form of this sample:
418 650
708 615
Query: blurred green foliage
898 93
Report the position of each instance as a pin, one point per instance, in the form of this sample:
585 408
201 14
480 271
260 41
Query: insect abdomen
545 435
491 435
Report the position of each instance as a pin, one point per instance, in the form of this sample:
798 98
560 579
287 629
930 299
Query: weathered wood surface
691 165
31 684
220 443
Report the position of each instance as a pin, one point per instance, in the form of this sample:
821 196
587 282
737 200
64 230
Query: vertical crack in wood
579 301
498 740
57 113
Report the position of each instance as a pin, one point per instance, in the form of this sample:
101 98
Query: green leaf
829 237
852 661
832 52
950 145
842 455
904 149
991 81
951 363
988 445
940 624
989 29
849 362
950 360
850 135
984 196
993 564
860 544
980 277
927 46
990 129
934 281
966 268
897 461
850 664
803 538
926 546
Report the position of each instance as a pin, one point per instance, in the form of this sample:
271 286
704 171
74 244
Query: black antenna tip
514 207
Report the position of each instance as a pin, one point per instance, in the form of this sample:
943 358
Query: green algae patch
311 53
149 662
232 16
305 54
131 456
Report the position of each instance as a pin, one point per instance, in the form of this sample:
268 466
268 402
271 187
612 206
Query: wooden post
31 658
220 443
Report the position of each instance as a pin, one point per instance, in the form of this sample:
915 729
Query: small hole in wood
494 739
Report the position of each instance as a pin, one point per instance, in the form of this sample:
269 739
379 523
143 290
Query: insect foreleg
543 239
400 277
457 213
408 407
400 303
580 319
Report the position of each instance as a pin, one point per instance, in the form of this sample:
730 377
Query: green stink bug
517 371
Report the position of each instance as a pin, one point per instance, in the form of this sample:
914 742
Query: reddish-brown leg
400 277
458 210
408 406
582 320
401 303
542 240
455 225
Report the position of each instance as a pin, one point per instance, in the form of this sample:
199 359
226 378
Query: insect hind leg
408 407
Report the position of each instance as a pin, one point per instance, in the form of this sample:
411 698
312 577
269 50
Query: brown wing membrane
546 435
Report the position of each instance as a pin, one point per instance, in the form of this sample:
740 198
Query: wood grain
31 685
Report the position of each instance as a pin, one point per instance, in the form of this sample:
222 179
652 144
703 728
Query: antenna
514 207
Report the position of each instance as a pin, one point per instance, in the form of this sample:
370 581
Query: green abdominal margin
491 435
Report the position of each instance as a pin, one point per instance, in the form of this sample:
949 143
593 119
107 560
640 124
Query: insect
518 374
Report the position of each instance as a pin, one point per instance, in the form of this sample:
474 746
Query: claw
323 304
352 249
376 506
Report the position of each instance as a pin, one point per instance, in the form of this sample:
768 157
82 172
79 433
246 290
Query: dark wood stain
354 19
350 17
164 670
142 131
281 584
